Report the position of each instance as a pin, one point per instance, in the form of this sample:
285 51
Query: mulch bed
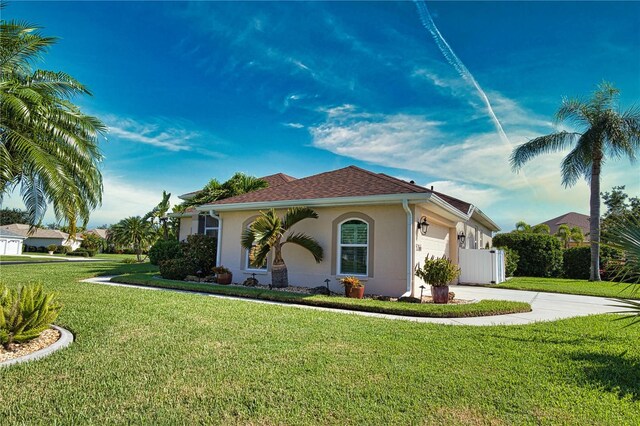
46 338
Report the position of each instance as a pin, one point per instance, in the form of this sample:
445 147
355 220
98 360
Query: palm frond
296 214
542 145
630 307
624 234
308 243
577 163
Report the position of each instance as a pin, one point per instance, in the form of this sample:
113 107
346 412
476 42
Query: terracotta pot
440 294
224 278
355 292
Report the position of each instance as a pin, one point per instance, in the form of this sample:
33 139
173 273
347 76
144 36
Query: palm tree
606 132
159 213
133 232
48 147
238 184
540 228
267 233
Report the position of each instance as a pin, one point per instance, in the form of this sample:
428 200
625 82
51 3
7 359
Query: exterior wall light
423 225
461 238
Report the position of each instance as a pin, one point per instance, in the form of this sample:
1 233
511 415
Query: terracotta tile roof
571 219
23 229
350 181
272 180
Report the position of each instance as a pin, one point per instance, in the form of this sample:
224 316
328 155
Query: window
208 225
353 247
249 256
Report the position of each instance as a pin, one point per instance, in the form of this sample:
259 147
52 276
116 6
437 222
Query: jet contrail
456 63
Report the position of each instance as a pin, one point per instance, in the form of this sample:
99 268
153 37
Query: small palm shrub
438 271
164 250
25 313
52 247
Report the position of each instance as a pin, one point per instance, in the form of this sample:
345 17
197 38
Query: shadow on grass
615 373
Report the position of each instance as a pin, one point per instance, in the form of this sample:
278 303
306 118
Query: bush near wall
201 250
540 254
165 250
177 269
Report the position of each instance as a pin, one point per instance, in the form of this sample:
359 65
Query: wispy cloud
294 125
154 134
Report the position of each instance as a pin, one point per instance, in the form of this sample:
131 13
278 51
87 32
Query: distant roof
102 233
7 233
273 180
23 230
571 219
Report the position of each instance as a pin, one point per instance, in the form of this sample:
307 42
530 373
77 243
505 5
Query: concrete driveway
545 306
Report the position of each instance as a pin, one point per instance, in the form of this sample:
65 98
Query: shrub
177 269
129 260
164 250
577 262
25 313
540 254
351 281
92 242
79 252
438 272
42 249
511 259
201 251
52 247
63 249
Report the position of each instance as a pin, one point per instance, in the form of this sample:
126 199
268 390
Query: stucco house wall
387 248
44 242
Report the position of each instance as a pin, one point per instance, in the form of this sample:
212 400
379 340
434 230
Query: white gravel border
66 338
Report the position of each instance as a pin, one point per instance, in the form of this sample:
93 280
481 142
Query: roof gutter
405 206
219 239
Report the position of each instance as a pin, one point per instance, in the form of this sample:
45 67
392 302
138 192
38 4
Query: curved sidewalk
545 306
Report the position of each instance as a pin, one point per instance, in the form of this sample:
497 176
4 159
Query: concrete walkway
545 306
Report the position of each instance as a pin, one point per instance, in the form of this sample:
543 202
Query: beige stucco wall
44 242
188 226
477 236
388 251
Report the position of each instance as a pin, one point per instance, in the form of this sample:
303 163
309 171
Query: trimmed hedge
177 269
540 254
201 250
511 259
577 262
164 250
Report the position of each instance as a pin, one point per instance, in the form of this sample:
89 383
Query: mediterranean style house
370 225
40 237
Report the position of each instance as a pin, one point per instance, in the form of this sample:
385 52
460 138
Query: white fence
481 266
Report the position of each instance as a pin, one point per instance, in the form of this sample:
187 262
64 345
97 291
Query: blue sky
192 91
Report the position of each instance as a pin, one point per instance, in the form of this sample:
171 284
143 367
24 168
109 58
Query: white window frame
211 228
340 245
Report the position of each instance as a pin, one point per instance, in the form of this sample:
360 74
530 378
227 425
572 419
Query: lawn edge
457 311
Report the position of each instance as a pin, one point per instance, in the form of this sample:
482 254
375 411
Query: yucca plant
438 271
25 313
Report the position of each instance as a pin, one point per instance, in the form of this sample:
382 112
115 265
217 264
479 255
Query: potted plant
438 272
51 248
223 275
353 287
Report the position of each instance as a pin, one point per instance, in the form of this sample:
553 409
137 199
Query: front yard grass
158 357
582 287
482 308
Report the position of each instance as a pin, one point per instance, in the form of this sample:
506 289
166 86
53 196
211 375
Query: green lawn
26 258
482 308
174 358
584 287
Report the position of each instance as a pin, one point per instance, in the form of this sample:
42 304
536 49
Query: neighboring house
570 219
43 237
102 233
368 226
10 242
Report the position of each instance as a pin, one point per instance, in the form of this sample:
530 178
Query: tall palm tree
606 133
159 213
237 184
267 233
133 232
48 147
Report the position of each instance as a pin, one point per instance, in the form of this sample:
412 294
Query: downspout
219 242
405 206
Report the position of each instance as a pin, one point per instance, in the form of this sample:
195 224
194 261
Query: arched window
353 247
